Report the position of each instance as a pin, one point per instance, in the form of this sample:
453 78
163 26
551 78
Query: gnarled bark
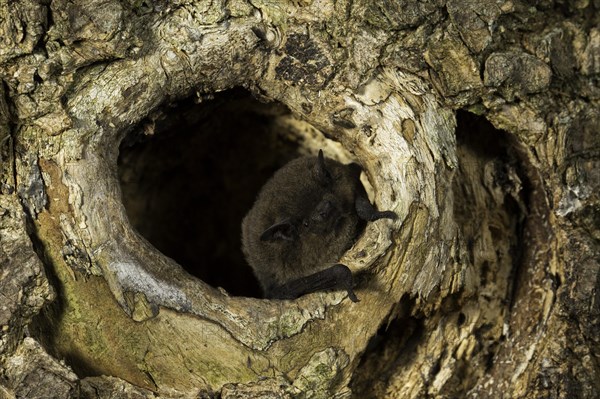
475 122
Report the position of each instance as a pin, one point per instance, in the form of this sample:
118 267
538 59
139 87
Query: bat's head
305 217
316 202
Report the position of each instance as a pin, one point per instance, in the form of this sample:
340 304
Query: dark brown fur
304 219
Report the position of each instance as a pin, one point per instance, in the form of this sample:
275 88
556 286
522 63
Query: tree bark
476 122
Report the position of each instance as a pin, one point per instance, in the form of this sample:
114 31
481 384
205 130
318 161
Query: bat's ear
322 174
280 231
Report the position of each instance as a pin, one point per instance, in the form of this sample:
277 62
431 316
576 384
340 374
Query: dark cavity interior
191 172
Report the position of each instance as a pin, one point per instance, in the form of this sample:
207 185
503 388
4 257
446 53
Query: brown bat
305 217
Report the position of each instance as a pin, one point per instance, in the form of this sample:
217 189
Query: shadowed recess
489 190
191 171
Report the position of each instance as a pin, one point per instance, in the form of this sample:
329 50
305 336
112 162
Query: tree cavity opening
490 190
190 172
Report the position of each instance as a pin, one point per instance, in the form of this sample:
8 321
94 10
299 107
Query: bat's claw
366 211
386 215
352 296
344 280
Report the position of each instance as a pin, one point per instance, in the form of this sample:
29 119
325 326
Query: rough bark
476 122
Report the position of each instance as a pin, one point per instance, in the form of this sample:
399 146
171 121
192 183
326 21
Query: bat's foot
366 211
337 277
352 296
384 215
343 280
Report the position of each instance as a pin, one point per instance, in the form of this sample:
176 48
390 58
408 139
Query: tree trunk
135 135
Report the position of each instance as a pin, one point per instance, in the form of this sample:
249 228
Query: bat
304 218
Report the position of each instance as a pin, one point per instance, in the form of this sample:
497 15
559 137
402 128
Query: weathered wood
486 286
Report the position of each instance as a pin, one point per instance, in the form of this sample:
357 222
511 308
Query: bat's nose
325 208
